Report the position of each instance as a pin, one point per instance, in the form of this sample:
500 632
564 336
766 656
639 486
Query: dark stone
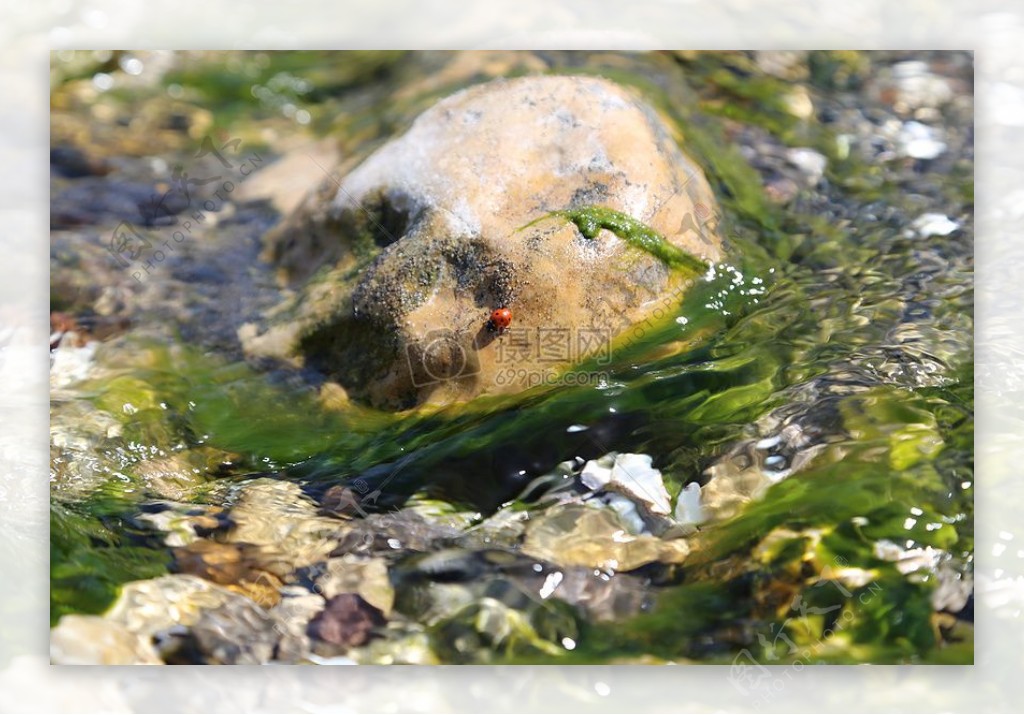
94 201
345 622
73 163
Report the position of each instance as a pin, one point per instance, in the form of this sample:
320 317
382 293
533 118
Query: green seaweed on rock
591 219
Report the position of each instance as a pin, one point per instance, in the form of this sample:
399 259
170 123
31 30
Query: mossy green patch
90 559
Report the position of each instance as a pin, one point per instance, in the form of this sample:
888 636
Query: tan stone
242 568
579 535
367 577
92 640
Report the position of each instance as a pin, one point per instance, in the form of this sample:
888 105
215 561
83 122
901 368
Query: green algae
92 553
590 220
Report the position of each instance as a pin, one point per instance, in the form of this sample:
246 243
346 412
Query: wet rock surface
449 248
242 567
148 607
237 633
364 577
292 614
276 515
598 538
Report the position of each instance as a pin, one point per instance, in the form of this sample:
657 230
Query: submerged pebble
346 621
920 141
237 633
582 535
934 224
92 640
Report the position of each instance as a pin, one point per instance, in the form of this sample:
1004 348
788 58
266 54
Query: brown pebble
346 621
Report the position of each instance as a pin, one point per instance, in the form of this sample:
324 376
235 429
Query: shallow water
825 370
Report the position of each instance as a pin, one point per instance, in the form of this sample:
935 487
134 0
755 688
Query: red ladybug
500 320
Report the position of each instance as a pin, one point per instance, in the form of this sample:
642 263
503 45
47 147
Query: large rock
402 260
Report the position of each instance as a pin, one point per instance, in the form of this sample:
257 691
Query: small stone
275 514
781 190
346 621
919 141
292 614
580 535
242 568
798 103
403 530
147 607
220 563
182 523
603 598
808 161
333 396
69 364
627 511
236 633
73 163
343 502
433 587
93 640
916 86
934 224
688 510
784 64
504 528
366 577
630 475
908 561
750 467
